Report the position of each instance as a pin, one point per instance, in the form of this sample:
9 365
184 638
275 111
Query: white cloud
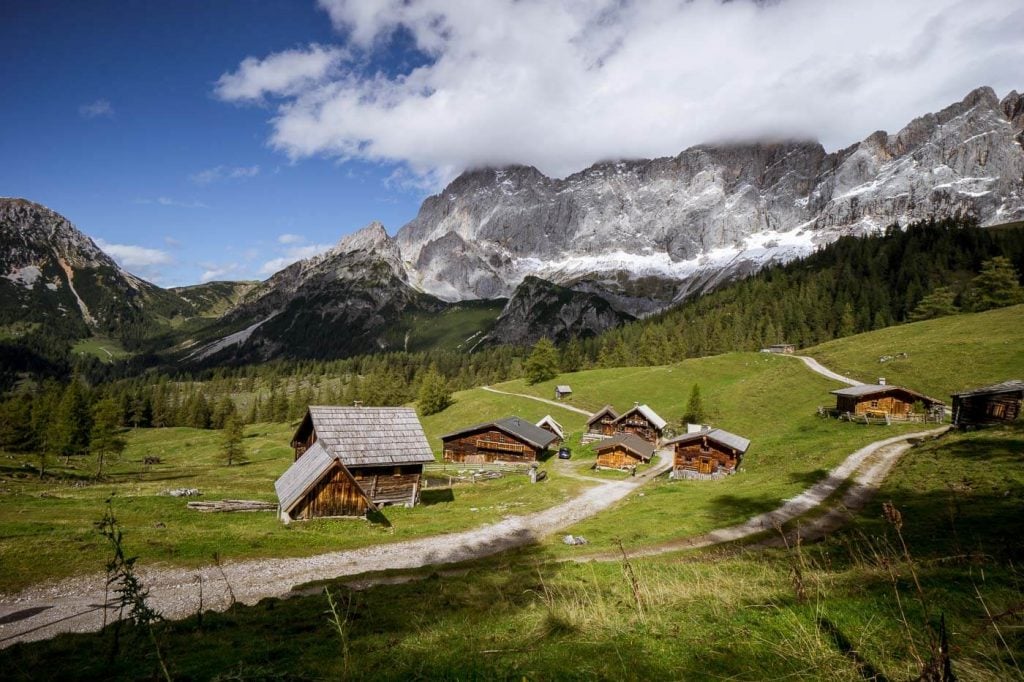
290 239
140 260
291 255
284 73
101 108
562 84
214 271
217 173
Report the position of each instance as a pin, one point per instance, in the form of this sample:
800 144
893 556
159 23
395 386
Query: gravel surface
816 366
541 400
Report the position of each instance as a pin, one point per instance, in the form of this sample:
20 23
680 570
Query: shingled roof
607 409
303 474
513 426
865 390
550 421
648 413
370 436
730 440
631 442
1011 386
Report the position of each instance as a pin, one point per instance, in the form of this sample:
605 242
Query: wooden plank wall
688 456
334 495
488 445
617 458
986 409
390 485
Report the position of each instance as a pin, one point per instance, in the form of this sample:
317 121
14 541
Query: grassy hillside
846 610
942 355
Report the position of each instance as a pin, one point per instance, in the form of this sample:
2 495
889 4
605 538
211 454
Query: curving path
541 400
824 371
77 604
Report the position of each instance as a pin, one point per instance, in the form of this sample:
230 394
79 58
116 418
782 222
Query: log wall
638 425
980 410
705 457
617 457
390 485
333 495
489 445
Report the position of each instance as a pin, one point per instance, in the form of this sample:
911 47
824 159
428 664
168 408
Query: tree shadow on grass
436 496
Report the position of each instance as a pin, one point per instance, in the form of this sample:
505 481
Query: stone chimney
881 381
357 403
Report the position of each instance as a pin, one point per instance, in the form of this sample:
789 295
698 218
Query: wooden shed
783 348
548 423
623 451
706 454
889 402
641 421
988 405
349 460
562 391
511 439
602 423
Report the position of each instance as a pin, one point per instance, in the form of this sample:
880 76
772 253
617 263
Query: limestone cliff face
713 209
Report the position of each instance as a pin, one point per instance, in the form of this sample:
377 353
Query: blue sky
224 139
109 117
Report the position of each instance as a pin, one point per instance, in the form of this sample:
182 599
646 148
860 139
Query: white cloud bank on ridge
563 84
143 261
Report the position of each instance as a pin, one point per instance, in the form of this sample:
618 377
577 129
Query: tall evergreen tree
938 303
996 286
695 413
73 420
105 436
542 364
234 451
434 395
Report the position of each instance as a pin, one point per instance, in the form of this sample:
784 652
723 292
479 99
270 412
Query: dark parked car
564 453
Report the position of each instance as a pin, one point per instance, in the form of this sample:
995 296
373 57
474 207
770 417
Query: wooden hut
602 424
706 454
562 391
548 423
623 451
349 460
507 440
888 402
641 421
993 404
782 348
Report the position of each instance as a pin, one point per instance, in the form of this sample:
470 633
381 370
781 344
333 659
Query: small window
874 403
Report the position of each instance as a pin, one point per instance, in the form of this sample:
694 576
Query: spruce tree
996 286
542 364
434 395
16 432
232 440
105 436
73 421
695 411
938 303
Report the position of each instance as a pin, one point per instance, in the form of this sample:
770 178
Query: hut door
704 466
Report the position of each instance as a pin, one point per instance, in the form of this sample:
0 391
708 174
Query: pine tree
232 439
105 436
434 395
996 286
695 411
572 357
847 322
16 432
73 421
542 364
938 303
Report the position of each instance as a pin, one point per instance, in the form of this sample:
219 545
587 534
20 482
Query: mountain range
507 255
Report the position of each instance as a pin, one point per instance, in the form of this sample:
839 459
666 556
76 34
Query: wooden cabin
350 460
562 391
988 405
507 440
548 423
782 348
602 424
641 421
706 454
623 451
889 402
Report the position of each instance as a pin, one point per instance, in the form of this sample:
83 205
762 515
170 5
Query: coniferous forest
853 285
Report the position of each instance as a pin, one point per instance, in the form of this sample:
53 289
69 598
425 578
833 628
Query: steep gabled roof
515 427
607 409
305 473
720 436
867 390
1011 386
648 414
550 421
370 436
563 388
629 441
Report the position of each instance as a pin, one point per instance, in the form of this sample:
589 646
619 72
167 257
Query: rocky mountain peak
368 238
32 231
